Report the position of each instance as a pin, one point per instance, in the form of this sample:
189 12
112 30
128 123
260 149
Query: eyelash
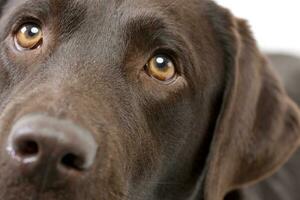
23 20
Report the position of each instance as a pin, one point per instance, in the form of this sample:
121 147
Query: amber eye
161 67
29 36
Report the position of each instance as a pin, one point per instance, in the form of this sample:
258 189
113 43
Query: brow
153 30
69 13
32 7
150 33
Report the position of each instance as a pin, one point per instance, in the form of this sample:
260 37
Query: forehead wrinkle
145 25
162 14
44 4
70 14
151 27
28 6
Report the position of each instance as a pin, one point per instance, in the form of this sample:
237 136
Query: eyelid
172 55
22 16
25 20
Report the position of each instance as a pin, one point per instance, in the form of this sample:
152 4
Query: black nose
39 143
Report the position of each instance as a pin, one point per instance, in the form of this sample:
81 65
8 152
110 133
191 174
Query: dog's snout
39 142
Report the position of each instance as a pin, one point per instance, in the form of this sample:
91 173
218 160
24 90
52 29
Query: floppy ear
258 127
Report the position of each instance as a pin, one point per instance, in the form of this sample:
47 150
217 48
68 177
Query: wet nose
38 143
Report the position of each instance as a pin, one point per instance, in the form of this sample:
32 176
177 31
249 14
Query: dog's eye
161 67
29 36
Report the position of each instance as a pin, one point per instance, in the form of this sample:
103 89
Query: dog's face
110 99
129 74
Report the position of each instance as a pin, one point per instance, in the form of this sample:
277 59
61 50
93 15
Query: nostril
72 161
37 143
27 148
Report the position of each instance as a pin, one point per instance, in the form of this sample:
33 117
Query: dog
140 100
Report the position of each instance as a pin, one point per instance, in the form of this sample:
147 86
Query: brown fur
225 123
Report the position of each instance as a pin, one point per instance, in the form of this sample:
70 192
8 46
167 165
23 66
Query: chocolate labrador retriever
138 100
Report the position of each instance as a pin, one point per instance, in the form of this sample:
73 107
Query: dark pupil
161 62
31 30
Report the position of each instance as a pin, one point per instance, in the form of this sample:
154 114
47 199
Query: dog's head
137 99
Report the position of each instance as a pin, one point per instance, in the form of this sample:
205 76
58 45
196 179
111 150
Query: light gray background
275 23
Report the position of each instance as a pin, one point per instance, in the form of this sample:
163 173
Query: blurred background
275 23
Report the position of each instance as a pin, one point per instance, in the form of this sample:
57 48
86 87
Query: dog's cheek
4 79
170 122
